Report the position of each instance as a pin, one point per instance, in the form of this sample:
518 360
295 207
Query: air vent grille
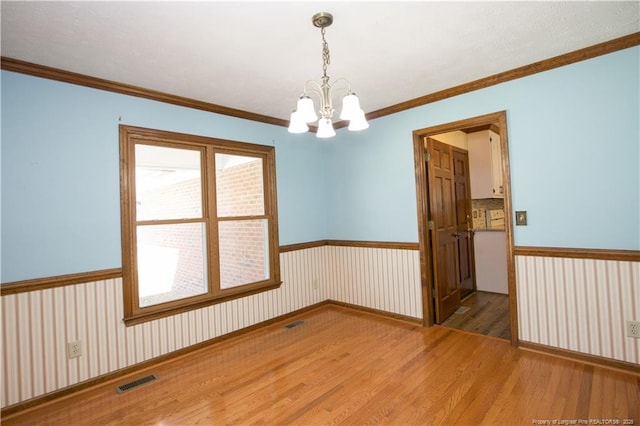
294 324
138 382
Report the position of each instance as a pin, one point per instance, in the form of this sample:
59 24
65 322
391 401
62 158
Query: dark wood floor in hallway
487 313
349 367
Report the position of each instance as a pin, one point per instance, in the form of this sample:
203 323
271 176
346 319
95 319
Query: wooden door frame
499 119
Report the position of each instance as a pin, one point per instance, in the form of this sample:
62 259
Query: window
199 221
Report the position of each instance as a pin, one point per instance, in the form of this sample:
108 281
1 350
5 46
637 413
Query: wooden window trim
129 137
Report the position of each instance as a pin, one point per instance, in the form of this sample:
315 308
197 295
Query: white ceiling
256 56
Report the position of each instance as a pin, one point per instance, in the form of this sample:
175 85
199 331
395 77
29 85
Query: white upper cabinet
485 164
497 186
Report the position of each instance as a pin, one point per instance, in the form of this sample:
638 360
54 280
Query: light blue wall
60 173
574 137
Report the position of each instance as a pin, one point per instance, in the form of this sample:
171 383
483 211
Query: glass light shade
306 109
325 128
350 107
297 124
358 122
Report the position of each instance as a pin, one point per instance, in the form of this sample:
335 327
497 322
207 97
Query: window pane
244 252
239 186
171 262
168 183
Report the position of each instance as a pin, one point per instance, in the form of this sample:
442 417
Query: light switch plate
521 218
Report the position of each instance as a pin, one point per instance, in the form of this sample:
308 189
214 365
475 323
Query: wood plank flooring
488 314
349 367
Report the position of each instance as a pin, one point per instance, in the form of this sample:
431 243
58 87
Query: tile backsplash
482 219
487 203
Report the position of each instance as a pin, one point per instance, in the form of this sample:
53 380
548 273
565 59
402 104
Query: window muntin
199 221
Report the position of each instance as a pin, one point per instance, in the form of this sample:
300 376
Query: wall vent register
134 384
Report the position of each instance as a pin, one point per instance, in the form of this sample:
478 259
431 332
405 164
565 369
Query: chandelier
305 111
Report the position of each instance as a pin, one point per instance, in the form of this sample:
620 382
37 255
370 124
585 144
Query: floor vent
294 324
138 382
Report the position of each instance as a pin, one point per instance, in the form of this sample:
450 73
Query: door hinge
428 157
432 225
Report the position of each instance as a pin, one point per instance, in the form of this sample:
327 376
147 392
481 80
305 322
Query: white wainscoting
377 278
579 304
36 326
575 304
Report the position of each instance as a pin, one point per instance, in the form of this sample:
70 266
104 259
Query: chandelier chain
326 59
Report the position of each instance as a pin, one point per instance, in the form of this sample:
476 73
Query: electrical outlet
633 329
74 350
315 284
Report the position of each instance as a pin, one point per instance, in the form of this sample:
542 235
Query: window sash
244 252
169 182
171 269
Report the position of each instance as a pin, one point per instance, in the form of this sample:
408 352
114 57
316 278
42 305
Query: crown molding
590 52
15 65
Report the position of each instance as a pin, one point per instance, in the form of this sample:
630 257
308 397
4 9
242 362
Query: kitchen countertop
489 230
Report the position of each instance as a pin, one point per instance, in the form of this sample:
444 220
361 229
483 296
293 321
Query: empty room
312 213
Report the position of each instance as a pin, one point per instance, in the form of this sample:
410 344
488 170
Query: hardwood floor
488 314
349 367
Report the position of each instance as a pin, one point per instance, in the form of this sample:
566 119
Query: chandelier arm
335 87
348 83
324 94
317 92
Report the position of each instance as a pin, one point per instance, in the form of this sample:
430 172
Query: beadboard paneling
579 304
377 278
37 325
575 304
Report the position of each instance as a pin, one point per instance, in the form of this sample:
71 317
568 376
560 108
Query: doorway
440 231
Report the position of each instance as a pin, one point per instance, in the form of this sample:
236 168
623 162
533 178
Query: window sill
158 313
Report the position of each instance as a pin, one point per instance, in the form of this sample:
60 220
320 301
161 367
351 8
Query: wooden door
444 244
466 258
